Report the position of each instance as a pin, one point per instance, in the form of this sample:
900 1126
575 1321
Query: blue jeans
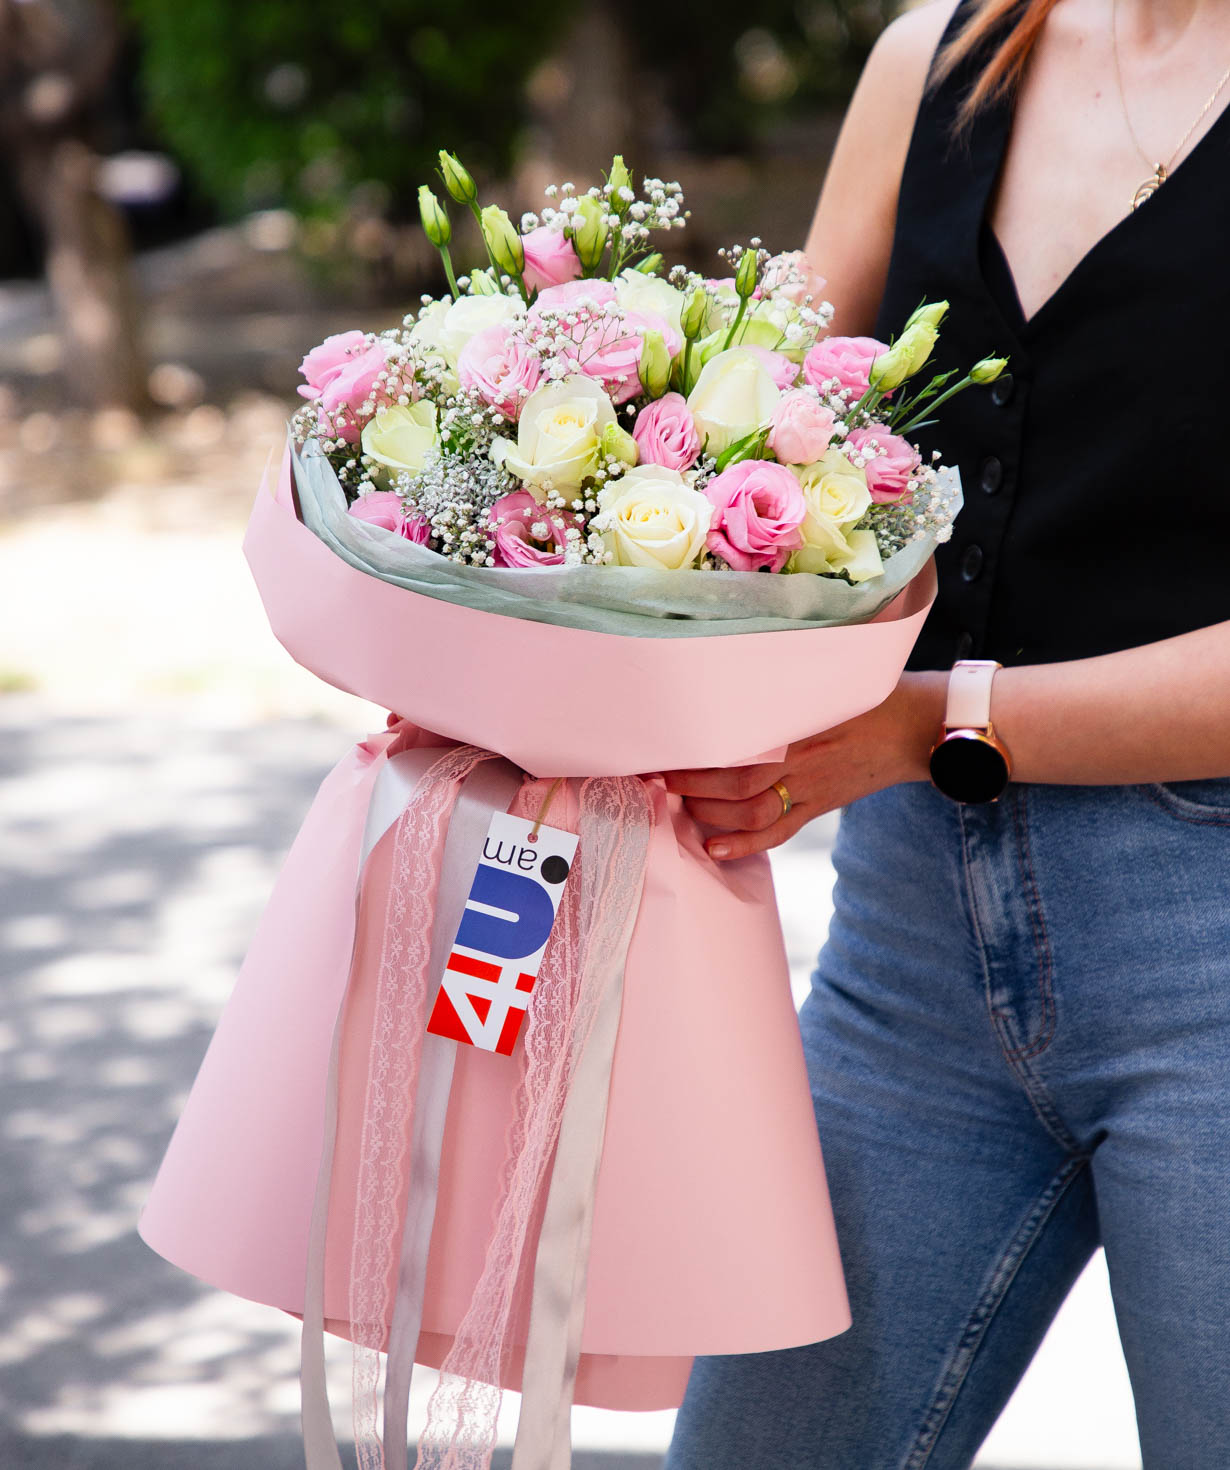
1019 1043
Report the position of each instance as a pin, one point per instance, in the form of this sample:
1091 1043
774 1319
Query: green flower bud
916 342
457 179
655 366
890 369
435 218
503 241
619 178
695 314
617 443
930 314
988 369
590 230
651 265
484 283
745 275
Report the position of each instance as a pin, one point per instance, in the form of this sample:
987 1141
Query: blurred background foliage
262 160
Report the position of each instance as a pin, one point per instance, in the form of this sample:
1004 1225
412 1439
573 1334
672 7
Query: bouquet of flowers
470 1102
571 405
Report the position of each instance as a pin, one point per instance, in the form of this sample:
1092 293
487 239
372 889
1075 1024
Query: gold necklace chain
1161 171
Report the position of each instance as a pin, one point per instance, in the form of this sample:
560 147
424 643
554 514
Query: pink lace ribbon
559 1114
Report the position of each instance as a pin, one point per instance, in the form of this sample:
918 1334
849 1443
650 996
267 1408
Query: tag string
543 809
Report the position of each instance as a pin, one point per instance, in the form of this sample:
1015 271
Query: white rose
471 314
635 291
835 492
733 396
400 438
558 435
864 561
426 329
652 517
834 487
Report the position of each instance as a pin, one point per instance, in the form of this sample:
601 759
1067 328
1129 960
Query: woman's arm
851 236
1160 712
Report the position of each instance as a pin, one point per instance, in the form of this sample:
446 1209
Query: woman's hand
886 745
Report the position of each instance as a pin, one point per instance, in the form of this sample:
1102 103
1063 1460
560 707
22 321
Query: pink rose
758 510
341 374
550 259
384 508
891 461
498 367
665 433
848 359
527 535
776 364
801 428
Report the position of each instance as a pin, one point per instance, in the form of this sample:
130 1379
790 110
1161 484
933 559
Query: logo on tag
508 919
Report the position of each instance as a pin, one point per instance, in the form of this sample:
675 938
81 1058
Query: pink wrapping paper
712 1226
555 700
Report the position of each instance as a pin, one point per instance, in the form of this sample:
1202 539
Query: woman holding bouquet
1019 1029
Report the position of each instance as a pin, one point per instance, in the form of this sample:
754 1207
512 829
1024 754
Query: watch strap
969 694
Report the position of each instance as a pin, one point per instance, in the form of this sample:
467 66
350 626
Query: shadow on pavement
62 1452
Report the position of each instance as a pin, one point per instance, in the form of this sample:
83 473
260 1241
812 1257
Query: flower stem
917 418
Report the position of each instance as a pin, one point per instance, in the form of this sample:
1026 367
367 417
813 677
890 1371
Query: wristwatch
969 762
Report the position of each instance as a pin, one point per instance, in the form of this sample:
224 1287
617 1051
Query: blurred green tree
309 102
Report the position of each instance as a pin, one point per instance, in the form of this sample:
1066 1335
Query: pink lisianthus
608 349
776 364
550 258
570 295
890 463
801 428
848 359
384 508
496 364
665 433
758 512
324 362
526 534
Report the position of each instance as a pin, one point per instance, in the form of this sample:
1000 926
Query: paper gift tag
508 919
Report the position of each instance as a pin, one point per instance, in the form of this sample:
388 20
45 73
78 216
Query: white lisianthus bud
435 218
746 274
931 314
484 283
457 179
987 370
655 363
502 240
589 231
617 443
619 179
695 314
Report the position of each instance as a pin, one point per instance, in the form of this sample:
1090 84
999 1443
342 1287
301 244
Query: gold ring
787 802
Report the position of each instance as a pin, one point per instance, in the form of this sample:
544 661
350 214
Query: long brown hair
1023 20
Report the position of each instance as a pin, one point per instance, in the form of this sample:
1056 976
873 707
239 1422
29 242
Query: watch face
969 767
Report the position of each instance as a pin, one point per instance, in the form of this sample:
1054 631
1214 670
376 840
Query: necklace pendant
1150 186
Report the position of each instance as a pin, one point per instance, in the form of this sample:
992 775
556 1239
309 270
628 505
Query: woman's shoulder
901 57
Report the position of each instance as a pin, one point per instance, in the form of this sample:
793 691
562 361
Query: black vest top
1096 472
